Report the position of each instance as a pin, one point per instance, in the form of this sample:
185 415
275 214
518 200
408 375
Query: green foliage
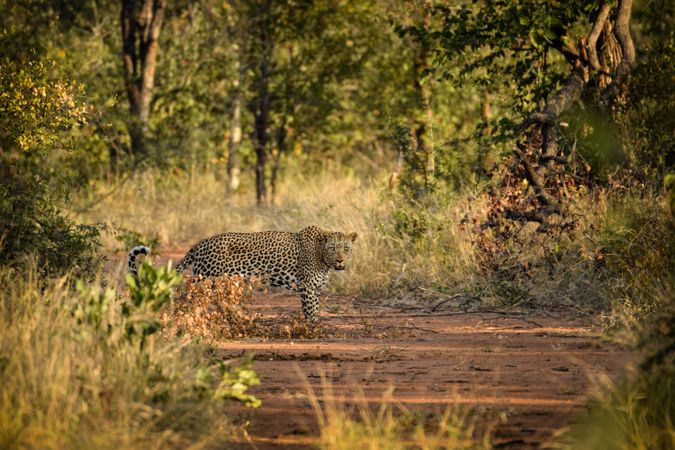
33 107
37 116
31 226
235 381
93 305
148 294
72 377
503 44
647 117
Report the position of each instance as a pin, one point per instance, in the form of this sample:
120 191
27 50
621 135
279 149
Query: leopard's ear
352 236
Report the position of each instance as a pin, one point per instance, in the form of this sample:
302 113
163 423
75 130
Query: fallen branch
537 183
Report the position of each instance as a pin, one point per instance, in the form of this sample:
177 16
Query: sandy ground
534 371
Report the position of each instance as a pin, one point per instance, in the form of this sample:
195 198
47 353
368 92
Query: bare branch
591 46
535 118
622 31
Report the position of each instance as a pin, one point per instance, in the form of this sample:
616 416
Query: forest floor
534 370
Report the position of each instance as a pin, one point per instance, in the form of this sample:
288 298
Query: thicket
37 116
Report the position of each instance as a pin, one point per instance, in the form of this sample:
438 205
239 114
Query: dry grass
352 423
179 210
71 378
637 414
533 271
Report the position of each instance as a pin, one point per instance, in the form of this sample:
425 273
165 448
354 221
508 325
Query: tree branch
622 33
537 183
591 46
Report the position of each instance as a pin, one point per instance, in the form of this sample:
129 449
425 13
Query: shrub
79 372
36 116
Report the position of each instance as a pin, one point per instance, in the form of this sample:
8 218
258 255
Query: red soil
537 370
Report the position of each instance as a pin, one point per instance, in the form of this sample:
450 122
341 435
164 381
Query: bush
638 414
79 372
37 115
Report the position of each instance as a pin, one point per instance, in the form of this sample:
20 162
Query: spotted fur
131 260
299 261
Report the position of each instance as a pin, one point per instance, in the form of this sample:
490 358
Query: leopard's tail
131 261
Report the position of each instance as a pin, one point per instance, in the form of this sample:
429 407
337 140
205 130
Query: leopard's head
337 249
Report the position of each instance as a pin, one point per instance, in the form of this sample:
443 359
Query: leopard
300 261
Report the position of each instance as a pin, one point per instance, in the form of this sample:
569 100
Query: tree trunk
281 148
235 138
609 54
260 126
398 168
141 23
423 129
261 104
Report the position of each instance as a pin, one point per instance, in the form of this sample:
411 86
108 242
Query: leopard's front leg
309 296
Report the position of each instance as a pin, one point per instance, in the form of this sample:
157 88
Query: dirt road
535 371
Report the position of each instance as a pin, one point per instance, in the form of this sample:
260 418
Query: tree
539 48
141 22
264 19
296 56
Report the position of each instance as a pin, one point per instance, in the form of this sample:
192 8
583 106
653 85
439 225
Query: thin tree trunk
423 126
261 123
486 115
281 148
398 168
235 137
141 22
430 163
261 104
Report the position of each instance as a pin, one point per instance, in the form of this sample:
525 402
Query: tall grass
403 248
179 210
637 414
71 376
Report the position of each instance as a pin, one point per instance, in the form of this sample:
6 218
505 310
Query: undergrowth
81 366
636 414
422 251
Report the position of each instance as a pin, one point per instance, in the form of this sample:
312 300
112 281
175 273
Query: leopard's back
272 255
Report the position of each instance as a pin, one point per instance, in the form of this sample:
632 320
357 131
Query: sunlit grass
180 210
637 414
353 423
71 379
